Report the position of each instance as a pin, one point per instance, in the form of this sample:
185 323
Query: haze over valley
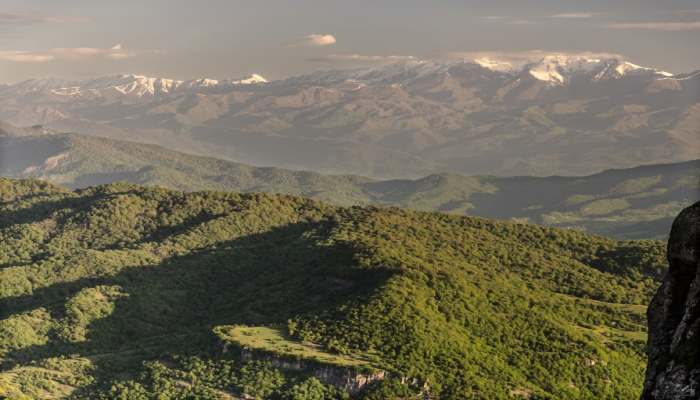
636 203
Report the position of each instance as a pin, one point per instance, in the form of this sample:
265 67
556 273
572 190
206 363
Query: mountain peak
126 84
559 68
257 78
246 80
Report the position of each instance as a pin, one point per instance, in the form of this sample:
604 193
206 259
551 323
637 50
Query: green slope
116 292
634 203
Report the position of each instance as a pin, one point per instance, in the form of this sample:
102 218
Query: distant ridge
625 203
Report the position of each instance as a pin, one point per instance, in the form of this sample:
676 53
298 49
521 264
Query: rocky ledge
350 379
673 371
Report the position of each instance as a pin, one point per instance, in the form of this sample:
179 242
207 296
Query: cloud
20 56
659 26
687 12
317 40
33 17
85 53
360 58
572 15
73 54
506 20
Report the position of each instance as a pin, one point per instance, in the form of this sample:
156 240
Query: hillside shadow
44 209
40 210
20 155
256 279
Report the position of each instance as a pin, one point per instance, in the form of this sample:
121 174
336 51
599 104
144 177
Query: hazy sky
218 39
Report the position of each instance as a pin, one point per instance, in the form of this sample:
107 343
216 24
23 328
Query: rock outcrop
673 371
347 378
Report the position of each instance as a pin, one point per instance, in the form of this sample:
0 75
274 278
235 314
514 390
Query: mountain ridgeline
125 291
633 203
561 114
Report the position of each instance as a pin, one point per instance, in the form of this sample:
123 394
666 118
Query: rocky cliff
673 371
340 377
349 379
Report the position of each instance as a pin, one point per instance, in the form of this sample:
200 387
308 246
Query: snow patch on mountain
502 64
131 85
255 78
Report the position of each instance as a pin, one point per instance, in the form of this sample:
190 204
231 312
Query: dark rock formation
673 371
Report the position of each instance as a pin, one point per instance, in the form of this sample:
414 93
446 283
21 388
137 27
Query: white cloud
85 53
72 54
492 18
572 15
20 56
660 26
360 58
33 17
317 40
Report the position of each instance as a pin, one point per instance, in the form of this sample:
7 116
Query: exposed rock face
673 371
340 377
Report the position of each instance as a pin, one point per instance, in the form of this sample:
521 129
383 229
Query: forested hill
116 291
632 203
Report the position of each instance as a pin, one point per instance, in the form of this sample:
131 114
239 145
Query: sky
220 39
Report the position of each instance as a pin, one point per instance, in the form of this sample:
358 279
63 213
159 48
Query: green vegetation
119 291
637 203
274 339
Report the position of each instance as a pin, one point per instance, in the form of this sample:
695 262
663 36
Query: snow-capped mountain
37 85
132 85
559 69
542 113
255 78
556 69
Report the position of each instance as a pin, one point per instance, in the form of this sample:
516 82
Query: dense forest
118 291
636 203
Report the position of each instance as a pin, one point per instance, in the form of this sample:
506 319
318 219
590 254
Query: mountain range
638 202
547 114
